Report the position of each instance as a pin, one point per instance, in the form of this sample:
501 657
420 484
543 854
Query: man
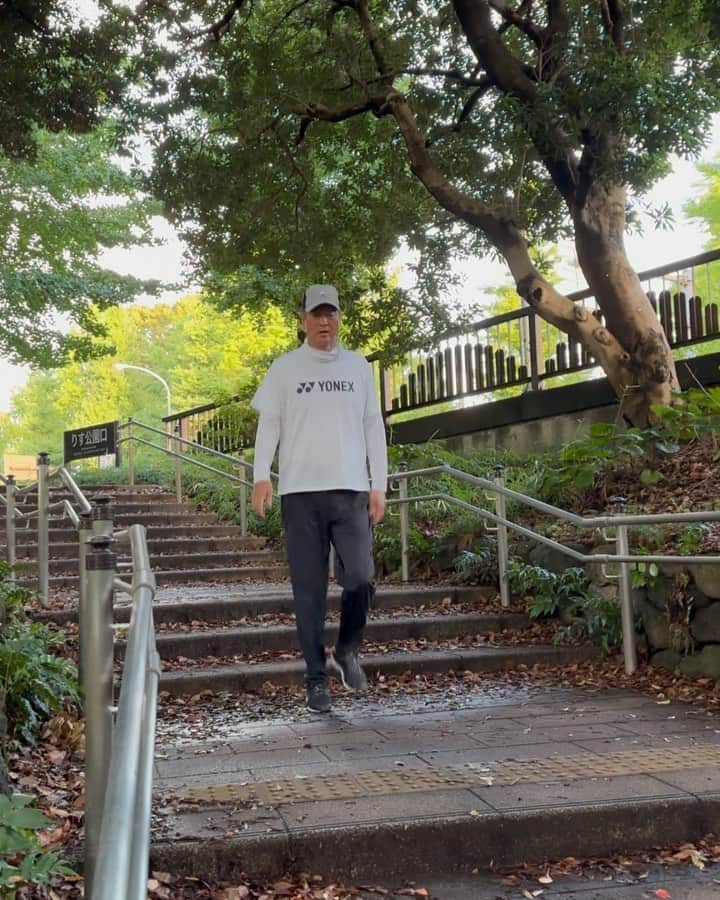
320 405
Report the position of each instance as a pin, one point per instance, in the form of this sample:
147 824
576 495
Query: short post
243 496
622 545
43 539
404 524
84 535
97 691
131 454
177 446
102 517
502 538
10 523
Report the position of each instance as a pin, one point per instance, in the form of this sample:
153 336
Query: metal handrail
195 462
42 513
620 522
119 760
238 462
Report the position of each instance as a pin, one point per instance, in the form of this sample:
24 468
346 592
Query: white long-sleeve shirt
322 409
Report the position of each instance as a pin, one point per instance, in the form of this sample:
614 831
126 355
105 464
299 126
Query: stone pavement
452 781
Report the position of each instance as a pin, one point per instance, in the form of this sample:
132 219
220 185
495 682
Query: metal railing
119 753
13 494
239 463
119 741
620 523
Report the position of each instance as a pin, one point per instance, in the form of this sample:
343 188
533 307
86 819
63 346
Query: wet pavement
454 780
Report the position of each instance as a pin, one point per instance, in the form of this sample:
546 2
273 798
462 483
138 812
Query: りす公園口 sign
94 440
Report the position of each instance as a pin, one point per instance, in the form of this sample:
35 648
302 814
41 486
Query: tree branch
374 39
322 113
471 102
613 20
466 208
505 70
218 29
516 18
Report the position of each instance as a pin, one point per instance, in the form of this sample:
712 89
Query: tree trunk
644 374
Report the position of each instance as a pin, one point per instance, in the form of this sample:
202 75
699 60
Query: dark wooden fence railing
515 349
519 349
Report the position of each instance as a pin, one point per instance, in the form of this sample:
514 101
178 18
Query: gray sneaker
318 698
347 665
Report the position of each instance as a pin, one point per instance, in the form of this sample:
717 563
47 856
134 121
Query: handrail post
243 497
98 692
502 538
102 518
131 453
43 538
622 545
10 524
84 535
177 447
535 351
404 524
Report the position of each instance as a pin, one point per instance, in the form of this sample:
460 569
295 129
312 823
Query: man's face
321 326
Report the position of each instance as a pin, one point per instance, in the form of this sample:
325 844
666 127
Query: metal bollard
243 498
43 538
97 684
502 538
84 535
404 524
101 515
10 523
131 454
622 545
178 475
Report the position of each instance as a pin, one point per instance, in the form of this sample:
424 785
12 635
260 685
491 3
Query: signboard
24 468
94 440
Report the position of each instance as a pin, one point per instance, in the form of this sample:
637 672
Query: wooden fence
513 350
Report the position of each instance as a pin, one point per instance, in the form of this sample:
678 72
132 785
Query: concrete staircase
186 545
417 780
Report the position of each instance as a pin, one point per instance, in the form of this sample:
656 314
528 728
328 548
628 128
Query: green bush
590 615
22 861
693 414
35 683
478 566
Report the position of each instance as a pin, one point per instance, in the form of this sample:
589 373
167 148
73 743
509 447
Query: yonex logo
326 387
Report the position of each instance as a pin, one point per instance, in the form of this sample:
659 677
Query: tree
203 354
308 136
60 69
58 212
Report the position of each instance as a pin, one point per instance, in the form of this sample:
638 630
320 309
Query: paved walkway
450 781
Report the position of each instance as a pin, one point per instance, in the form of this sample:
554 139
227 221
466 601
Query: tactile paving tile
499 772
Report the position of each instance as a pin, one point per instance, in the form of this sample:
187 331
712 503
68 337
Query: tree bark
647 373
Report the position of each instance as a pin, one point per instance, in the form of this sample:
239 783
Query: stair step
69 549
154 532
239 678
159 562
149 519
191 576
261 638
213 609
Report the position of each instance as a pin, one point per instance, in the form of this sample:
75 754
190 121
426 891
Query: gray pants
313 520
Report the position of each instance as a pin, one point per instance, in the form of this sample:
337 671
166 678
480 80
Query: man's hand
376 506
262 497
